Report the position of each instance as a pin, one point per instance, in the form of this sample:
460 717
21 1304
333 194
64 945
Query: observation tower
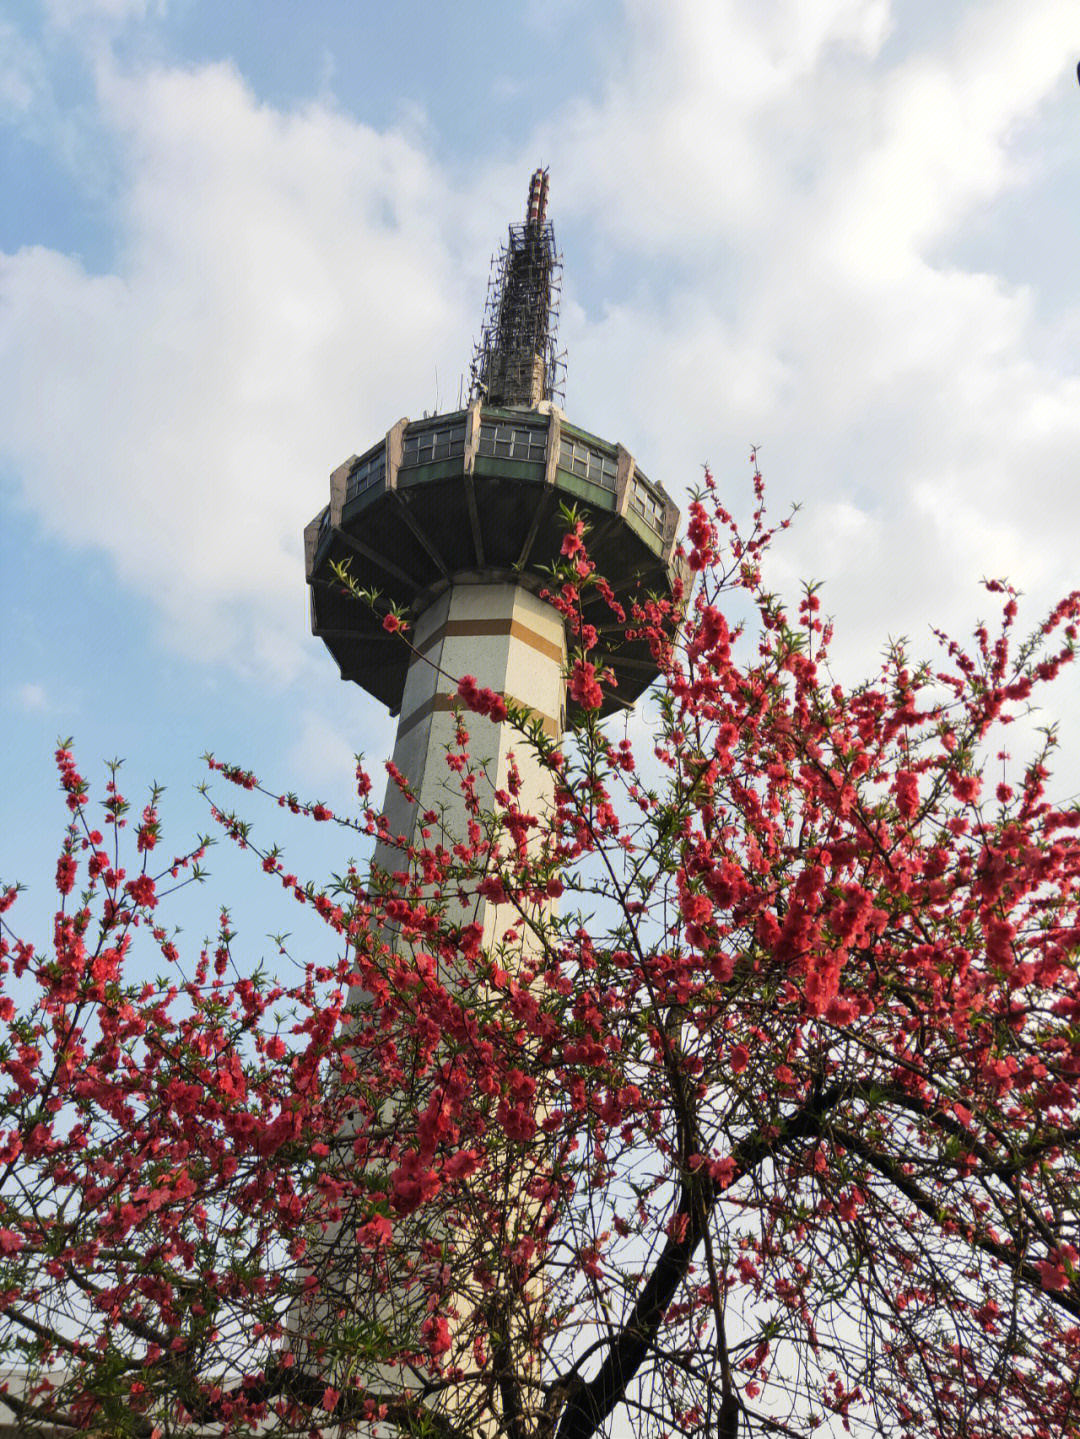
454 519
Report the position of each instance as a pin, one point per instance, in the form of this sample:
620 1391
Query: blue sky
239 240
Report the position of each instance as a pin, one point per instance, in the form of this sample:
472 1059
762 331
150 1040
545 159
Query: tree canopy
758 1116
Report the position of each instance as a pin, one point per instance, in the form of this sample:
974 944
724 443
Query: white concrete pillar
515 644
511 642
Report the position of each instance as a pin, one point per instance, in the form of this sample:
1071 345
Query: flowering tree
759 1118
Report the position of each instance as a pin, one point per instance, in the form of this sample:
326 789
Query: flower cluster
481 701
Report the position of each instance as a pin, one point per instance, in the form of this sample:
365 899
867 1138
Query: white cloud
279 274
21 72
774 192
807 193
804 190
946 129
321 753
113 13
31 698
699 128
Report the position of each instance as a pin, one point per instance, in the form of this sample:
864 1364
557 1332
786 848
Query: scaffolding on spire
517 359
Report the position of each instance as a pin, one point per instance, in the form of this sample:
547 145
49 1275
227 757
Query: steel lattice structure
517 359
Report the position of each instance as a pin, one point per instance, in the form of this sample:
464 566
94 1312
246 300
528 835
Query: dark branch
590 1404
1003 1253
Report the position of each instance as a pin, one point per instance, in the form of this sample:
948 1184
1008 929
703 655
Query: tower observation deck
460 512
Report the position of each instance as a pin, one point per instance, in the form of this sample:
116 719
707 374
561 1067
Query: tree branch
590 1404
926 1205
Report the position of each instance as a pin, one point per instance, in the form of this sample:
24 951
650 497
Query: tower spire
538 191
516 361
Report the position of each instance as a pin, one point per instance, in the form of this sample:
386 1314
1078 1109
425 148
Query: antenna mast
517 360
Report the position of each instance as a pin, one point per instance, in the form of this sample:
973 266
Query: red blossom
584 686
572 540
436 1333
66 870
143 890
482 701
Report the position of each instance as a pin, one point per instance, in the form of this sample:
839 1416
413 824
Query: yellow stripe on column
511 627
444 702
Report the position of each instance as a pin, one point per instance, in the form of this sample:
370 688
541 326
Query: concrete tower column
510 641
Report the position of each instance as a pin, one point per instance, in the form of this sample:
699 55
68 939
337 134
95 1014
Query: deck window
370 472
578 458
425 446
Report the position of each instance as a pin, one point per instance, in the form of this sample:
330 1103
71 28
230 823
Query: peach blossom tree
760 1117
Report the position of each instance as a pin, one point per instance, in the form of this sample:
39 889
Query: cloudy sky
238 241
